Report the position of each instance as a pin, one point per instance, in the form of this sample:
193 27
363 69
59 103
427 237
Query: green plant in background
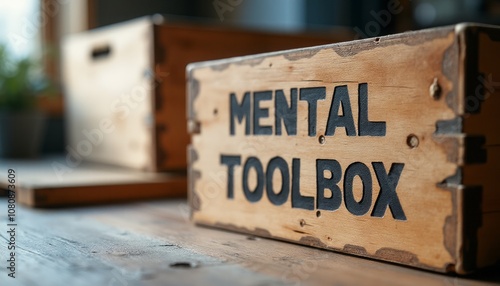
20 82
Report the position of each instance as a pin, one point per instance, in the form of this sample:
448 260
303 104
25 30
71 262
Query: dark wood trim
91 14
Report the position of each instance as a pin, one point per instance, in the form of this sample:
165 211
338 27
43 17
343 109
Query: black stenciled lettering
240 111
363 206
340 99
256 194
230 161
259 112
312 95
332 203
299 201
365 126
286 113
388 196
277 163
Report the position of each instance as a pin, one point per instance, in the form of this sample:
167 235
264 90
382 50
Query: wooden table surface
154 243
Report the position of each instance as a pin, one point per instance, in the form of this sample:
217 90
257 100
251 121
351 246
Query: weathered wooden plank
141 244
49 183
363 147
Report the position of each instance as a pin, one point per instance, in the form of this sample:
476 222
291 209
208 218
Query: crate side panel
108 95
481 124
398 72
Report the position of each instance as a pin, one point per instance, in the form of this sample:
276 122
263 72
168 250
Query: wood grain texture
140 244
42 184
416 83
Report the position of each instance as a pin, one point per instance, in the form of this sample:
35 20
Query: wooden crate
125 85
385 148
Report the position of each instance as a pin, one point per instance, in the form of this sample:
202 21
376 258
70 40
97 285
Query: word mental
248 111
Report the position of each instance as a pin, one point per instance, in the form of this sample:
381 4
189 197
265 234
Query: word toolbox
385 148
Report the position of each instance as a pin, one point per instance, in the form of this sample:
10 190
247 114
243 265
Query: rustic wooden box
386 148
125 86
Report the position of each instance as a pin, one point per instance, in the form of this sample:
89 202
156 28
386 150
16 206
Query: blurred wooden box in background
386 148
125 86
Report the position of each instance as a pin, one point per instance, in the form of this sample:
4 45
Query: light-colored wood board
109 97
419 84
399 71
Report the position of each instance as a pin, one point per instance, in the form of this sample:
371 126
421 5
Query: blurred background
34 28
